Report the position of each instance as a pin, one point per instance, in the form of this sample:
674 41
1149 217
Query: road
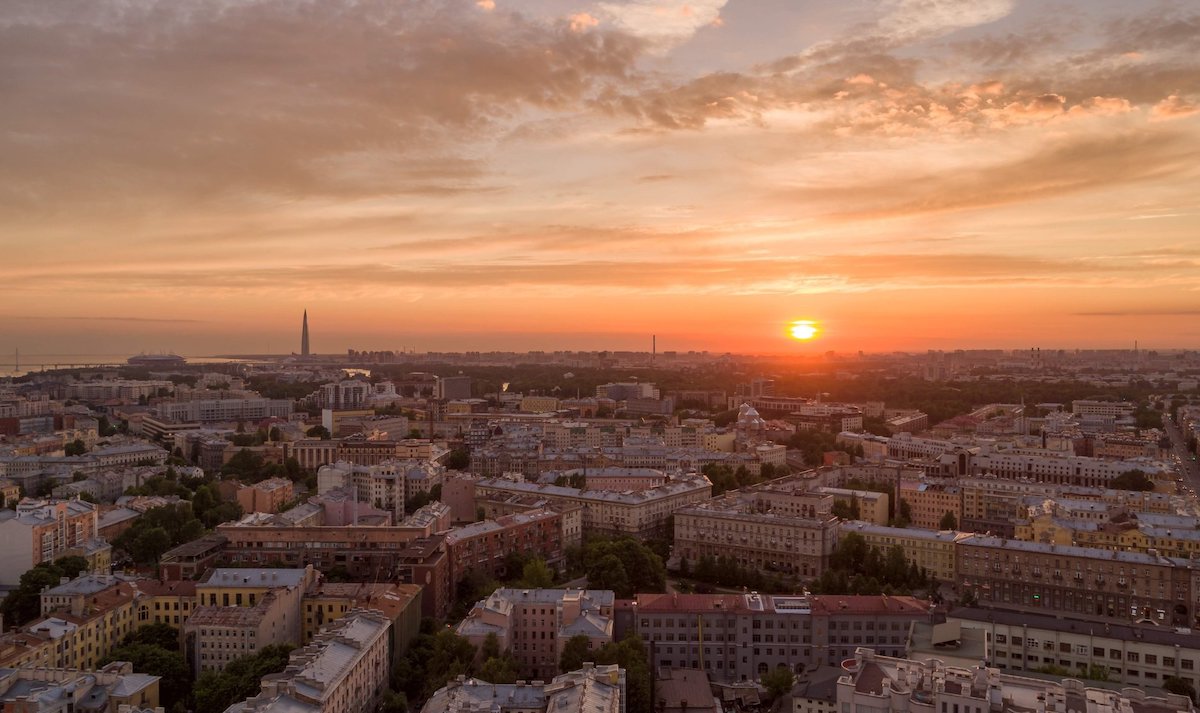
1189 469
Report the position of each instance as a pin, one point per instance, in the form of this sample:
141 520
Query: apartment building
364 550
740 637
494 506
218 410
343 670
928 503
1059 468
43 530
931 550
644 514
115 687
535 624
240 611
1135 655
82 623
792 533
872 506
592 689
386 485
875 683
1048 578
483 547
400 603
265 496
358 450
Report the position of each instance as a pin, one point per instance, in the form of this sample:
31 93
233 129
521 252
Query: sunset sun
803 329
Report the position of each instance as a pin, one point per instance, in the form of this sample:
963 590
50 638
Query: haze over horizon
478 175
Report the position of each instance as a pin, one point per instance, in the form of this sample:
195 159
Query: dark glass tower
304 336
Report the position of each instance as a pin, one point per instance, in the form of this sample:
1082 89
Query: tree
161 635
1132 480
459 459
217 690
609 573
778 682
1181 686
157 661
575 652
536 575
24 603
318 432
948 521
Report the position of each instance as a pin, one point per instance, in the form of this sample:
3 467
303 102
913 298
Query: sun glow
803 329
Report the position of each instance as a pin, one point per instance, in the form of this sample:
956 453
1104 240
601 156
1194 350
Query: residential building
192 559
784 531
484 547
269 495
931 550
1135 655
114 688
43 530
1113 586
872 506
243 610
928 503
740 637
592 689
400 603
344 670
535 624
886 684
643 514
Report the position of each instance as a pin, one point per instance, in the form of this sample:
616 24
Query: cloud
1174 107
1070 166
106 318
211 100
488 5
664 22
582 22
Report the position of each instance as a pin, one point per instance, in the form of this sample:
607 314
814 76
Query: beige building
539 404
535 624
643 514
344 670
115 688
1047 578
872 506
929 503
266 496
592 689
1140 656
931 550
790 533
883 684
243 610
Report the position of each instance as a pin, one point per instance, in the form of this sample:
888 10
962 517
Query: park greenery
856 567
622 564
726 572
725 478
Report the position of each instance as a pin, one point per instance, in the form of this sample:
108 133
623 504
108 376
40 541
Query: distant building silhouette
304 336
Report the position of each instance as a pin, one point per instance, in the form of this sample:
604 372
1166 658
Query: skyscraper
304 336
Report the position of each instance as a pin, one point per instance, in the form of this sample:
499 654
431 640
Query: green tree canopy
217 690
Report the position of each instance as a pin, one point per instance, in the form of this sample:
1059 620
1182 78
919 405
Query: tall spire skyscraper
304 336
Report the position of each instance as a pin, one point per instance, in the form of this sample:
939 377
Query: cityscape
619 356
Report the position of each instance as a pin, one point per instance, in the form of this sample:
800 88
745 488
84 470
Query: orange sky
545 175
